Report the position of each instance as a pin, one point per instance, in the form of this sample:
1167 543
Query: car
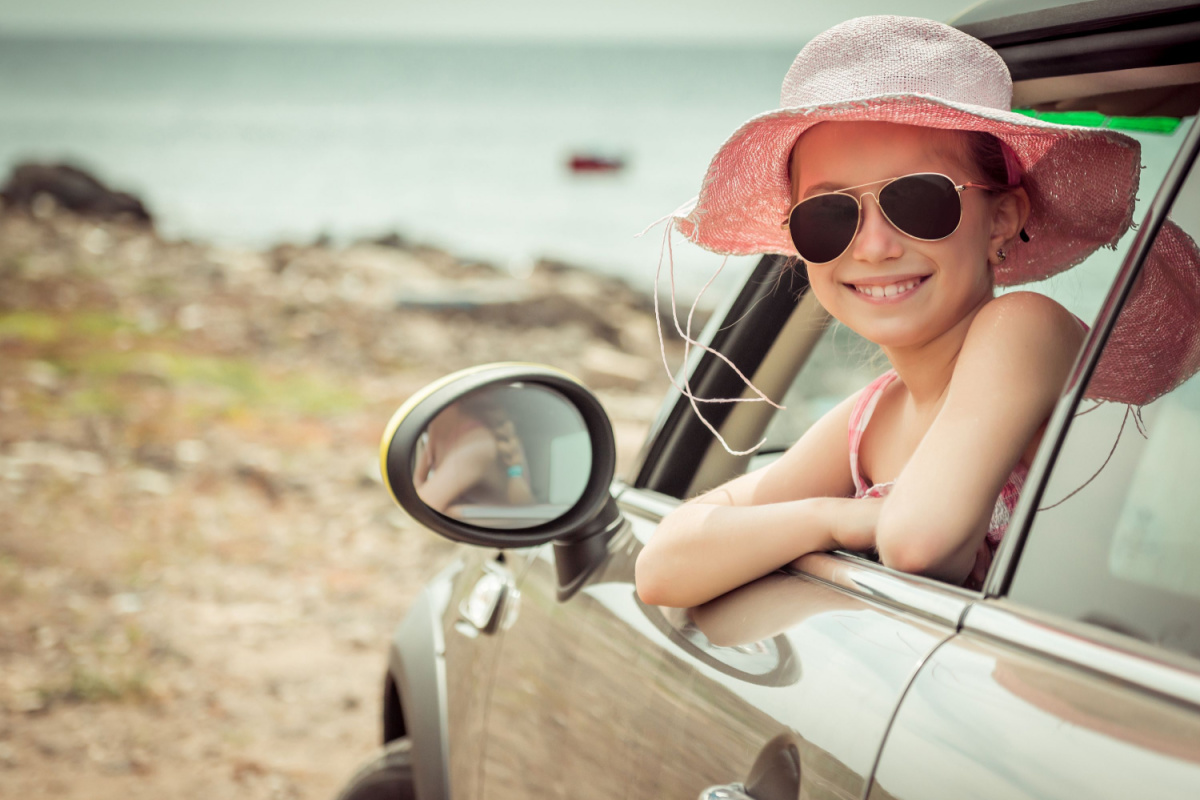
530 668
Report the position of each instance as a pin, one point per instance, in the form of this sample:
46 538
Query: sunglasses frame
959 188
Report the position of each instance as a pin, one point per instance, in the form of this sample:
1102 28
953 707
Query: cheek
974 231
823 284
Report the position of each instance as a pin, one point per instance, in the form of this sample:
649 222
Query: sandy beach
199 568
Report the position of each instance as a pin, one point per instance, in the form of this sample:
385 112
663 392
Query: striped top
860 417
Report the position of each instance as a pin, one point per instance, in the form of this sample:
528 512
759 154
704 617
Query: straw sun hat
1081 181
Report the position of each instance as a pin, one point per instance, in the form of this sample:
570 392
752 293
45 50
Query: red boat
582 162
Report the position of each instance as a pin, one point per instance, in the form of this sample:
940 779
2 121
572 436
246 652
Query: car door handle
492 601
774 776
730 791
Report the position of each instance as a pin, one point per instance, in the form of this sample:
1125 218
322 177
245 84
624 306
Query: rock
191 317
548 311
28 702
125 603
262 480
191 451
151 481
606 368
41 188
97 241
43 375
392 239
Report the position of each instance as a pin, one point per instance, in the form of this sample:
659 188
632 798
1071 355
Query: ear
1009 214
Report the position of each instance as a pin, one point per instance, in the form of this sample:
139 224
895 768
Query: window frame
1011 547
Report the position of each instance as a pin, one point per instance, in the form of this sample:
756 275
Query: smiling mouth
887 290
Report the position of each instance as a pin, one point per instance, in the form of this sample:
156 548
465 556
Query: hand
983 561
854 522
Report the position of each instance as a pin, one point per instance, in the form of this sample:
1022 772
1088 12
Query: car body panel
1029 704
472 649
998 721
417 668
603 696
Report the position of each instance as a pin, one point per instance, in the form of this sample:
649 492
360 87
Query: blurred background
234 237
451 122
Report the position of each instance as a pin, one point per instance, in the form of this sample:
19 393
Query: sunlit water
463 146
459 145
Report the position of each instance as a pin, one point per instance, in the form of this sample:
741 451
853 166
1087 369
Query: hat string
688 342
1136 411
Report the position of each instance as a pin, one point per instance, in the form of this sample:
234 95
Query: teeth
891 290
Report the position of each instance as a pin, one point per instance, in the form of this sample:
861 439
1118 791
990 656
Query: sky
557 20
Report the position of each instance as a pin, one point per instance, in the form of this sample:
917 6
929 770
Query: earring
1001 255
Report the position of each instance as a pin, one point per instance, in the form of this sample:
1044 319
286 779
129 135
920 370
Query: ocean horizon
461 145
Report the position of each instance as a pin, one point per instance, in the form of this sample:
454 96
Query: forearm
702 550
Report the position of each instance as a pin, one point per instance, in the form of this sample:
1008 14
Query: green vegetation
42 328
86 685
107 360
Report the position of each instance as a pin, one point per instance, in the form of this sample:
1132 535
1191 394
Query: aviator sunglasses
926 206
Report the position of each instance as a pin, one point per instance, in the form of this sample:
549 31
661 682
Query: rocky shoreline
198 565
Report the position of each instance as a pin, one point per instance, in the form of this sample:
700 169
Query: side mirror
506 455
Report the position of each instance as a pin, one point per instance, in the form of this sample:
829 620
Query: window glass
1122 549
842 363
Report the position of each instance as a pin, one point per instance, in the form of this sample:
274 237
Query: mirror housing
594 511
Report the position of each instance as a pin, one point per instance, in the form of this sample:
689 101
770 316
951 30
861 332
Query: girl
910 190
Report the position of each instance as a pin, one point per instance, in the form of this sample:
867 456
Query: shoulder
1022 341
1028 318
477 445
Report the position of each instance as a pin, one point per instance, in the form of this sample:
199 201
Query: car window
1121 550
843 362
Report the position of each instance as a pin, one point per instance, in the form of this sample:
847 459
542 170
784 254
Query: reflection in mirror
509 456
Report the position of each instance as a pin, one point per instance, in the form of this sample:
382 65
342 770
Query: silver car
530 669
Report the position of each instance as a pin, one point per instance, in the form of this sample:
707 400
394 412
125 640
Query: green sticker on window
1094 119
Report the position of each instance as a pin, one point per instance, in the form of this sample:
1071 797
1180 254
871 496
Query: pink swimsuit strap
860 417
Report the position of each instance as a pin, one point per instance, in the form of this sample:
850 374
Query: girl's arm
465 465
760 521
1009 375
421 470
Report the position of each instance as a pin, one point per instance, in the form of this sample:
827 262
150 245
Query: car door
481 595
788 682
602 696
1079 674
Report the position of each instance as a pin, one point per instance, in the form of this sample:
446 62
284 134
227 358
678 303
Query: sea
461 145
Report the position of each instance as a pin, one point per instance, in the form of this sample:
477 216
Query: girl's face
952 276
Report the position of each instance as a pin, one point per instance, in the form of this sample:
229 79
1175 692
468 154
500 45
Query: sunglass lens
823 226
923 206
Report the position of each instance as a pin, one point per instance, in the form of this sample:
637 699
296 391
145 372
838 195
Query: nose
877 241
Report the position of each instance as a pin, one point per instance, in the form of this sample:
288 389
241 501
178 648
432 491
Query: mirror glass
507 456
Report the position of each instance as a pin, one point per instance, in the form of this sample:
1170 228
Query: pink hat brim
1081 181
